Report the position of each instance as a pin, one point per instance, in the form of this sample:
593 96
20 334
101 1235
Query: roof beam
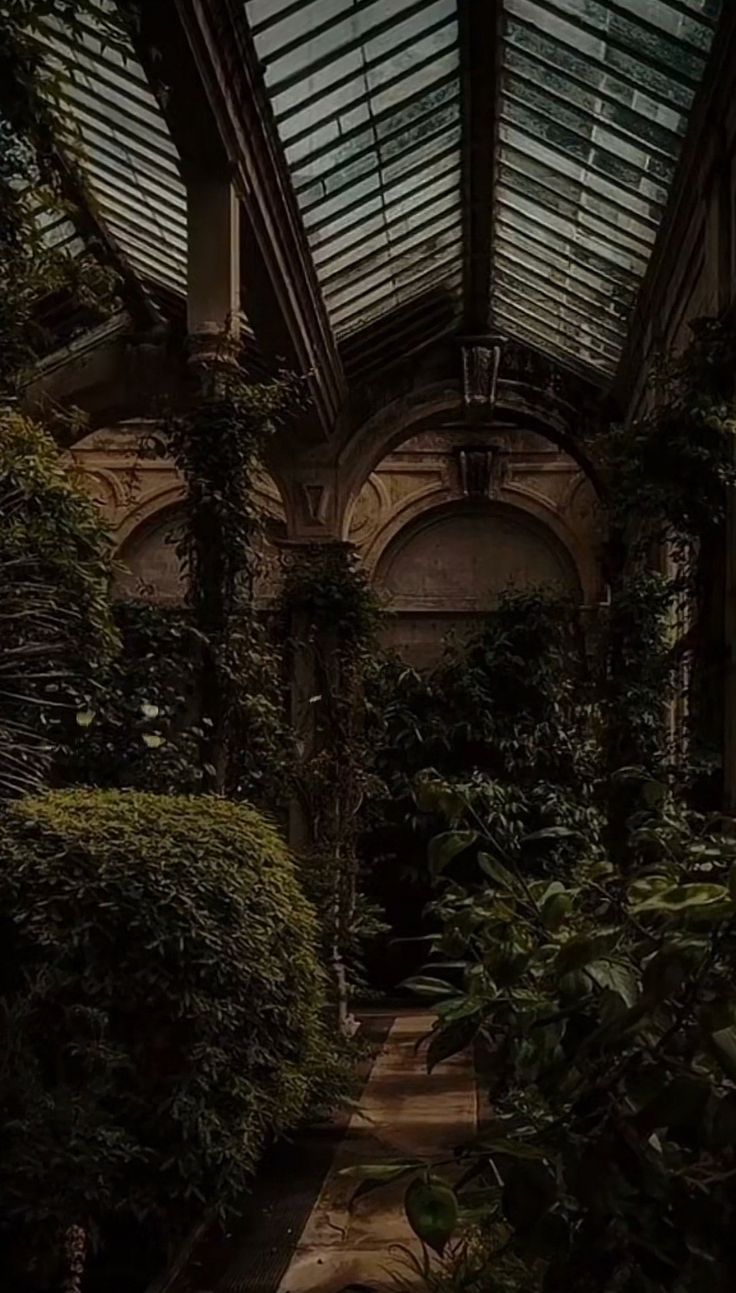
201 58
479 29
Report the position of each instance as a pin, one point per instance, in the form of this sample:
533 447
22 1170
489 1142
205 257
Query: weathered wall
438 558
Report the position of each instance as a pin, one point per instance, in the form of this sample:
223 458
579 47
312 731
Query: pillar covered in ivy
330 620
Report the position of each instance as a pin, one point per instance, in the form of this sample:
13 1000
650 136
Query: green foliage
218 448
669 471
331 616
163 1010
605 1004
641 669
33 191
56 630
145 727
333 594
510 714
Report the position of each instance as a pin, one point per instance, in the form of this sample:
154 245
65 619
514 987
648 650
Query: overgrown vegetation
511 711
218 449
56 627
163 1016
594 969
37 185
330 617
145 726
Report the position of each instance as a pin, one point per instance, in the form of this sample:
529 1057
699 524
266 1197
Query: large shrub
162 1009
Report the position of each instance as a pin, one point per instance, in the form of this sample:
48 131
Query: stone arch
536 410
526 501
443 566
147 548
150 567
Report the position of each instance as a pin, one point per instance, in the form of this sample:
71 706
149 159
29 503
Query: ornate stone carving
491 360
483 469
481 363
315 501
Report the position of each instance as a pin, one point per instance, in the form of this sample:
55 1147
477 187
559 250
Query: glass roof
366 95
128 157
594 102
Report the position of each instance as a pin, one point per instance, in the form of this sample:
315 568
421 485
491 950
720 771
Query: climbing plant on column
217 446
667 474
331 617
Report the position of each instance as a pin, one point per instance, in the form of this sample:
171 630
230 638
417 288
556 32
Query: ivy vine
217 446
331 619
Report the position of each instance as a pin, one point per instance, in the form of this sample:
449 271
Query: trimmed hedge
164 1007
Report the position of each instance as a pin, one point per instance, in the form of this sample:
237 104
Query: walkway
404 1112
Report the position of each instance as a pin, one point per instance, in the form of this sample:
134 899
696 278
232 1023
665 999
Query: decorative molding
481 366
314 495
483 469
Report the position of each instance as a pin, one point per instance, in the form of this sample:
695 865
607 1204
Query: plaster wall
438 559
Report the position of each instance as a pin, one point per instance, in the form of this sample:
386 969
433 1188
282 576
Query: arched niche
439 406
151 569
446 569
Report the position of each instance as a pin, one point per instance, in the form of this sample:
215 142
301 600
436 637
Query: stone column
324 682
213 266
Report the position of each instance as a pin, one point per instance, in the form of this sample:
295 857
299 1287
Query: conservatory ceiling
567 173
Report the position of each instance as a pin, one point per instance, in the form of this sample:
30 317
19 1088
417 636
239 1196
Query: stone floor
404 1112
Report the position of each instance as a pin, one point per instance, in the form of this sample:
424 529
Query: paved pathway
403 1112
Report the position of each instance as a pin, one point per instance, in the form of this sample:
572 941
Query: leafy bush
162 1010
606 1003
511 712
56 629
145 727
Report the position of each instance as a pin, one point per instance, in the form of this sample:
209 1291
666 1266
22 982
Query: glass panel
593 108
367 99
127 154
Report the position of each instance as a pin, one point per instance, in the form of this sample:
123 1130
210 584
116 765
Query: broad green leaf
426 986
456 1008
551 833
645 888
85 717
725 1043
432 1212
443 848
452 1038
148 710
684 897
617 977
496 871
555 910
436 796
152 739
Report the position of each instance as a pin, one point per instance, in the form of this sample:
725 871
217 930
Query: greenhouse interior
367 646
